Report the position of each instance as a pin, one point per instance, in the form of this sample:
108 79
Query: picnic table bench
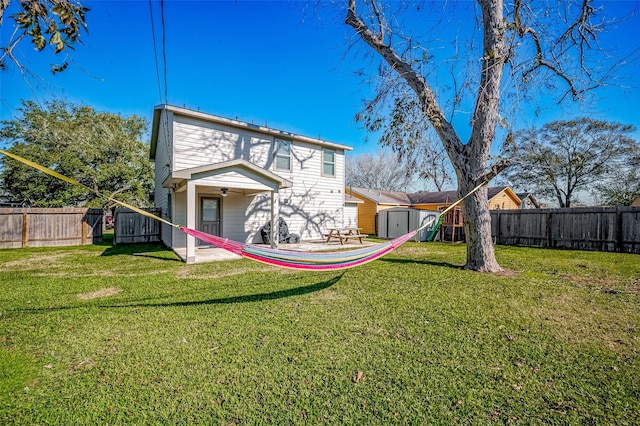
343 235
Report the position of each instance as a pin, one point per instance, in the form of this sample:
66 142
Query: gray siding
163 167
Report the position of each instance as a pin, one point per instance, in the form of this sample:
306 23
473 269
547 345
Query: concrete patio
214 254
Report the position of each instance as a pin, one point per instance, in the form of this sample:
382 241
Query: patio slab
215 254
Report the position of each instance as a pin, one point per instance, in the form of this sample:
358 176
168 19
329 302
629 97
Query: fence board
590 228
131 227
45 227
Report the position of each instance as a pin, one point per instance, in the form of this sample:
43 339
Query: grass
128 334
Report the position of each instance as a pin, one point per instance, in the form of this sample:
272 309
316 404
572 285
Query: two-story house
230 178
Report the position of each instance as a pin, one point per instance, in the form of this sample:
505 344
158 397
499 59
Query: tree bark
469 160
477 219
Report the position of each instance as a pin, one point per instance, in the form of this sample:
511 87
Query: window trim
325 162
278 155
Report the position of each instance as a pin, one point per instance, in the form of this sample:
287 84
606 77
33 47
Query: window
328 162
283 155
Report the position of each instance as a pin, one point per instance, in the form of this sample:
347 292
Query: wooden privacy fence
131 227
588 228
44 227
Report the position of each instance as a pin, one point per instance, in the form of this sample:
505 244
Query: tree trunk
477 227
470 160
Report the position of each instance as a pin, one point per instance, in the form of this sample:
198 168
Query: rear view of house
230 178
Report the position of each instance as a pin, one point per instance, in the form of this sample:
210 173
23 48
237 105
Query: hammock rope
291 259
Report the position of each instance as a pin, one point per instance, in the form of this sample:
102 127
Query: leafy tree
564 157
508 48
101 150
620 190
54 23
622 186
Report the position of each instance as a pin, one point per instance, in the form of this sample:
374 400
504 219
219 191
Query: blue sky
281 63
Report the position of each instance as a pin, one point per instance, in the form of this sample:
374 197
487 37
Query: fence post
619 238
84 231
25 229
548 229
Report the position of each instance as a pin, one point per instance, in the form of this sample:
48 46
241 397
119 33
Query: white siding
314 203
200 143
351 216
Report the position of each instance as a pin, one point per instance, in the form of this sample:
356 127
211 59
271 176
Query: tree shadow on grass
260 297
421 262
142 250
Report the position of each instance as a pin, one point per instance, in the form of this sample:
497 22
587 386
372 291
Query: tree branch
430 106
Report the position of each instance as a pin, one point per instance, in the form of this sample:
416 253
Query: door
397 224
209 217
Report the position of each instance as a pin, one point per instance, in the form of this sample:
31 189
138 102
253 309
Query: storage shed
398 221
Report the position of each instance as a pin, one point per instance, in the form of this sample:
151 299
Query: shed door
397 224
209 216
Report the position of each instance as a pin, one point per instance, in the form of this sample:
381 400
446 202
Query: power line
155 50
164 52
164 123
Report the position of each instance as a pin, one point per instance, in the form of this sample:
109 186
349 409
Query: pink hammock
308 261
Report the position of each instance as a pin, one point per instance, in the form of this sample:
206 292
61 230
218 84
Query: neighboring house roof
7 201
527 195
447 197
442 197
157 112
412 199
636 202
383 197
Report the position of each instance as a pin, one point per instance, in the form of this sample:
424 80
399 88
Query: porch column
275 210
191 220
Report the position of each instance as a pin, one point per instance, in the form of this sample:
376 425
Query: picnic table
343 234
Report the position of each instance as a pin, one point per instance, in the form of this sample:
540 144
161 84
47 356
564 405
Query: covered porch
232 199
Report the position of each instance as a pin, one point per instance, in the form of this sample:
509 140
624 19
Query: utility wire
164 123
155 50
164 52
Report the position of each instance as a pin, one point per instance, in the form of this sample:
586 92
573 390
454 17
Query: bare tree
382 170
554 45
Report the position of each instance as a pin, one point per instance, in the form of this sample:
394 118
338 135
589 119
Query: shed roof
351 199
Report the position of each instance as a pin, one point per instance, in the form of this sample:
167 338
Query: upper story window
283 155
328 162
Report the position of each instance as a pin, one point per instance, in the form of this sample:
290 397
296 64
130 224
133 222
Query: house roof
157 113
383 197
446 197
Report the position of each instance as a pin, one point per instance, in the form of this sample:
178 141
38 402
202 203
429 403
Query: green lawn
113 335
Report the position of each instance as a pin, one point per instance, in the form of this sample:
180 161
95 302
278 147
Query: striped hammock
307 261
310 261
